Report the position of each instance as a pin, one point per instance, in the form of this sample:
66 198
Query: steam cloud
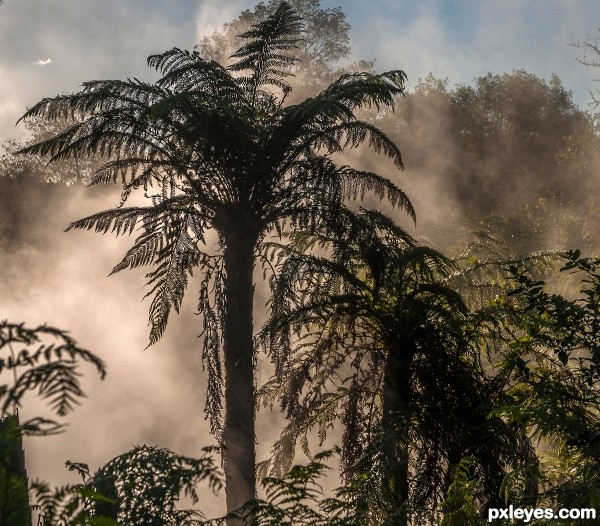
157 396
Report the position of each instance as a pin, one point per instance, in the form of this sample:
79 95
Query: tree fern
218 148
375 294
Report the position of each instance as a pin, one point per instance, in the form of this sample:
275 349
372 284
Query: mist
534 191
156 395
511 154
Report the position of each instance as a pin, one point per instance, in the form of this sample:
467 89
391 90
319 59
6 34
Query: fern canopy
371 337
217 148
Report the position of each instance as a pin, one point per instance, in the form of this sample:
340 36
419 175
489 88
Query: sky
49 47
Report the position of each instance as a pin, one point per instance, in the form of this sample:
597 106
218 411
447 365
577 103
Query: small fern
45 360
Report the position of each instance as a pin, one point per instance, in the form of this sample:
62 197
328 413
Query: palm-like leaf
46 360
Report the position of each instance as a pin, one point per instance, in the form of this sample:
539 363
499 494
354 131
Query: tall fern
366 335
217 149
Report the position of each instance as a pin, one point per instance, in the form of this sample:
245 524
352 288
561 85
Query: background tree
226 154
512 152
321 52
30 190
591 52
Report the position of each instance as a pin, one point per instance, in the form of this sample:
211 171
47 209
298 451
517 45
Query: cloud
212 14
93 40
464 40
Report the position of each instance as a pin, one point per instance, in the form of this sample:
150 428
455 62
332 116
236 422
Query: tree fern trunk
238 432
396 424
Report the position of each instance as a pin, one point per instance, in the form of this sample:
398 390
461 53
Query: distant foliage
511 154
31 190
551 370
569 327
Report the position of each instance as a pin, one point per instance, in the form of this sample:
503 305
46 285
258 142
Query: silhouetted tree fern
220 150
391 352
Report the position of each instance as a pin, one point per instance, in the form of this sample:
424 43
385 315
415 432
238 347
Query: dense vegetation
460 377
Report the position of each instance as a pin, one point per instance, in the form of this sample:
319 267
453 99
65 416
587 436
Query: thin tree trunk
396 420
238 432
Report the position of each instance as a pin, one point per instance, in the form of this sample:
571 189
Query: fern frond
176 259
357 90
188 71
363 181
121 221
266 54
51 369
